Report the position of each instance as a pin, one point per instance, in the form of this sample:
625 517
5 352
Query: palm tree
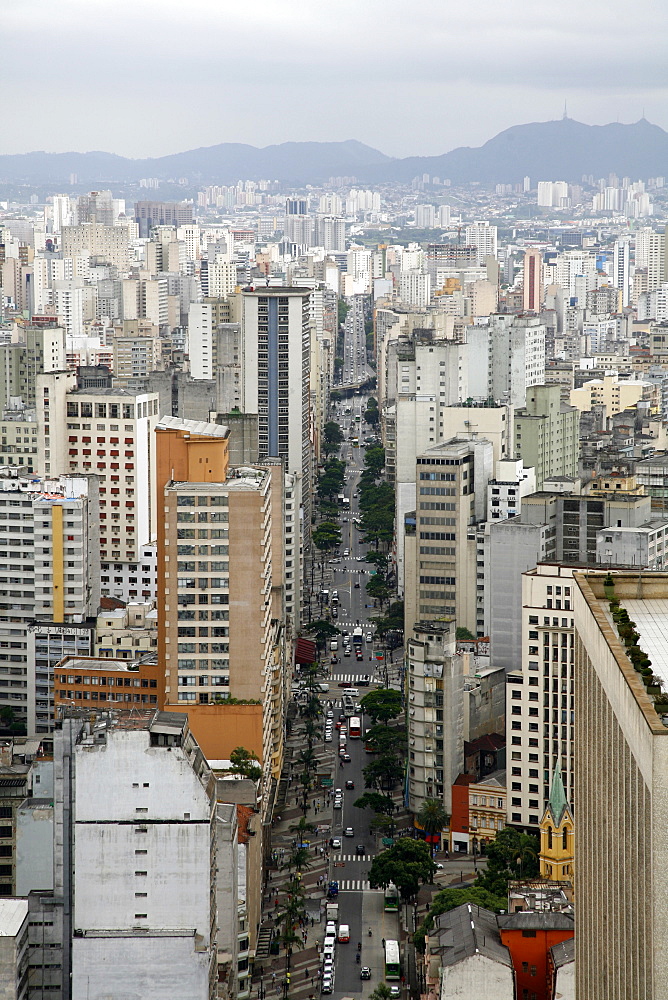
432 818
289 939
302 827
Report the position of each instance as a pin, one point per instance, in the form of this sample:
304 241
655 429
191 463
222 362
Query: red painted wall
533 951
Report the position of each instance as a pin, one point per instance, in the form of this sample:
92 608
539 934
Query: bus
368 745
355 727
391 898
356 442
392 964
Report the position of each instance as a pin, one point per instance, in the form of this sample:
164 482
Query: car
343 684
349 832
333 889
330 928
439 866
395 991
328 968
360 849
338 803
369 637
333 659
346 758
364 682
346 650
336 845
343 754
330 714
328 737
327 985
346 552
365 972
338 793
350 783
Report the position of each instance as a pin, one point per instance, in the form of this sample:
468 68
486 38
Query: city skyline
472 79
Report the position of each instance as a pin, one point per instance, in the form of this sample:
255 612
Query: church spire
558 803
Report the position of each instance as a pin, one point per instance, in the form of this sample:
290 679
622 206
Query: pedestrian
273 978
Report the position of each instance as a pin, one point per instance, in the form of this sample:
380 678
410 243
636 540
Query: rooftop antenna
565 115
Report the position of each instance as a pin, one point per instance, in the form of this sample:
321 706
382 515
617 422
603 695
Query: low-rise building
465 957
101 682
487 808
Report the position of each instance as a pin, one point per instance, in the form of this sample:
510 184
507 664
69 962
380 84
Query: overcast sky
150 77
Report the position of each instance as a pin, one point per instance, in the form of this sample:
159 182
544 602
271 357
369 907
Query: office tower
42 350
532 281
506 356
108 433
621 273
135 812
440 572
547 434
415 289
220 592
483 236
435 690
149 214
540 696
296 206
50 558
620 719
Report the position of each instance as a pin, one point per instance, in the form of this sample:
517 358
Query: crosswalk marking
350 677
353 857
356 885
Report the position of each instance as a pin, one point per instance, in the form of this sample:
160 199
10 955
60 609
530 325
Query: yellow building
556 835
615 483
487 806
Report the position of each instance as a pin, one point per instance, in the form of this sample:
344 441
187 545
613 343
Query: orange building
460 835
529 935
101 682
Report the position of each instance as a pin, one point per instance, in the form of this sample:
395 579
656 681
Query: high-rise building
440 571
415 288
149 214
620 719
484 237
220 591
540 696
108 243
533 281
547 434
42 350
51 563
621 270
108 433
435 691
506 356
135 811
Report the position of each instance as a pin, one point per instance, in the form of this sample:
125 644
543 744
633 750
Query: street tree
383 772
378 589
382 705
407 863
433 818
381 992
511 855
332 436
380 803
321 631
385 739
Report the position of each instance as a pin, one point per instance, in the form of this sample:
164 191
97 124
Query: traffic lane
347 979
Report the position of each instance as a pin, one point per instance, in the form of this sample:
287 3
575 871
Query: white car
346 552
336 845
328 737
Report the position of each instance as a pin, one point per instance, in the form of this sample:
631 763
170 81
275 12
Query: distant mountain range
556 150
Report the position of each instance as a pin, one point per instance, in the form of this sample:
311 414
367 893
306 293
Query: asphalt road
355 367
359 906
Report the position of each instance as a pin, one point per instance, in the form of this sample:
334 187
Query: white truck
332 912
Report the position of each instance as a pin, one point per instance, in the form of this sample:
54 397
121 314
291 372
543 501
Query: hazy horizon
146 79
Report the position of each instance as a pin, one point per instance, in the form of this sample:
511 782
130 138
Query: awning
305 651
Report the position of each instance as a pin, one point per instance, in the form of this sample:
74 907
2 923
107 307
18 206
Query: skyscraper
620 269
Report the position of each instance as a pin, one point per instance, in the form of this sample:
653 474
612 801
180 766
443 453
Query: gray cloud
155 76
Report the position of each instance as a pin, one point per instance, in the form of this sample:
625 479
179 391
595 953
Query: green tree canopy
322 631
382 705
464 633
407 863
381 992
433 818
246 763
383 772
380 803
511 855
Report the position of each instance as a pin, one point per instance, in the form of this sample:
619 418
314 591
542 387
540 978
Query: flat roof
13 912
99 663
203 428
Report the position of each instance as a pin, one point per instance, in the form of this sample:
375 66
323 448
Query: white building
136 806
484 237
435 713
621 269
540 696
415 288
108 433
506 356
14 949
49 554
512 481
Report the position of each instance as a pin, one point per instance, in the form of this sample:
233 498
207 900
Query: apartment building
540 696
204 319
613 393
97 683
135 813
441 576
50 573
18 439
547 434
108 433
620 720
108 243
220 633
127 633
506 357
435 686
40 349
